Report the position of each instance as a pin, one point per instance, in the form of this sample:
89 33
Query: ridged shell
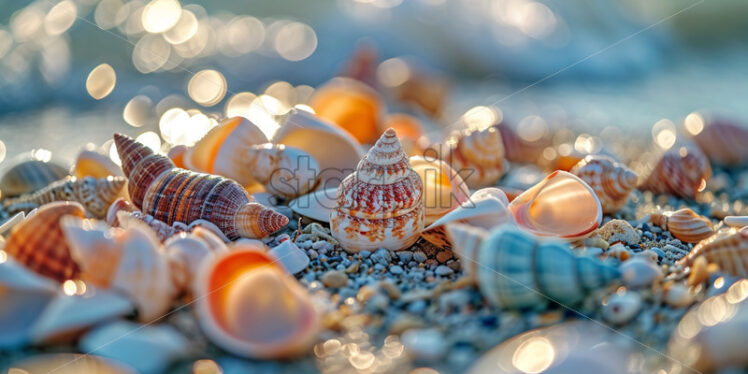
729 250
611 180
38 242
680 171
350 104
443 189
90 163
478 155
561 205
30 173
285 171
380 205
170 194
94 194
516 270
466 241
724 142
249 306
684 224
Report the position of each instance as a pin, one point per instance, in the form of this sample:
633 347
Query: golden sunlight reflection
295 41
532 128
663 133
3 256
6 41
73 287
262 116
60 17
245 34
41 154
137 111
114 155
151 140
694 123
362 360
178 126
161 15
106 13
588 144
206 366
534 355
481 117
737 292
25 24
150 53
3 151
101 81
207 87
238 104
183 30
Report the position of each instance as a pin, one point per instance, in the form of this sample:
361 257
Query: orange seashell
684 224
38 242
381 203
728 249
405 125
680 171
611 180
350 104
170 194
90 163
443 189
723 142
176 155
476 154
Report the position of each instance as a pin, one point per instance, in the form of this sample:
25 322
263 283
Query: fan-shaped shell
38 242
516 270
249 306
285 171
30 172
561 205
170 194
443 189
680 171
477 154
350 104
728 249
91 163
722 141
684 224
380 205
611 181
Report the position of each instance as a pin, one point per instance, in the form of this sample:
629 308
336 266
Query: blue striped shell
518 270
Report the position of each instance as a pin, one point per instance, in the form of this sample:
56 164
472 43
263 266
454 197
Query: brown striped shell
171 194
94 194
728 249
30 173
478 155
680 171
684 224
723 142
38 241
611 181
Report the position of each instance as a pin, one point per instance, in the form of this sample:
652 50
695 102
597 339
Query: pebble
443 270
597 242
353 268
678 296
619 251
443 256
365 293
396 269
334 279
364 254
649 254
419 257
425 344
618 230
621 308
640 272
405 256
392 291
382 256
312 254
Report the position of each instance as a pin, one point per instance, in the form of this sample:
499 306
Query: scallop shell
561 205
336 159
684 224
170 194
380 205
443 189
249 306
728 249
723 142
94 194
350 104
516 270
27 173
38 242
316 205
611 180
680 171
285 171
222 150
478 155
90 163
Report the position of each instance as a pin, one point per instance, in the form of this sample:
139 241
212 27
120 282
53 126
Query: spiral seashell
247 305
170 194
30 172
478 155
722 141
380 205
350 104
728 249
38 242
611 181
680 172
285 171
684 224
443 189
91 163
516 270
94 194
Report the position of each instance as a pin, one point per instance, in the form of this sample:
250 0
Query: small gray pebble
396 270
378 267
405 256
319 244
364 254
312 254
419 257
443 270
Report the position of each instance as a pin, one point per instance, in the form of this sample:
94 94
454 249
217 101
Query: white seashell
561 205
293 259
466 241
732 221
621 307
640 272
285 171
316 205
443 189
186 254
12 221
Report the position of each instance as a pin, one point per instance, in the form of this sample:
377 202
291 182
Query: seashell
611 180
293 259
409 129
380 205
148 349
466 241
336 159
621 307
316 205
477 154
736 221
90 163
170 194
618 230
729 250
516 271
520 150
350 104
164 231
94 194
70 363
684 224
680 171
249 306
186 253
176 155
486 208
640 272
722 141
285 171
213 241
39 244
561 205
30 172
13 221
222 150
443 189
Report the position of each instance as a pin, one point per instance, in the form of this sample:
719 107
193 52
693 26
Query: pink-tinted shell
684 224
728 250
681 171
478 155
611 180
724 142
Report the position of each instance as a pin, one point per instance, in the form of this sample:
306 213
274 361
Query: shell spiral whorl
611 181
479 152
171 194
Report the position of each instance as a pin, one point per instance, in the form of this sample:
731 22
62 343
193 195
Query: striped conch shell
38 242
248 305
170 194
285 171
30 172
680 171
611 180
380 205
94 194
477 154
728 249
516 270
443 189
723 142
684 224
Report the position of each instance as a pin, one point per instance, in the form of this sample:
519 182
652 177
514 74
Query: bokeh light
295 41
207 87
60 17
101 81
161 15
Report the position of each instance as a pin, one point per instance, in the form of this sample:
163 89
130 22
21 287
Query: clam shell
30 172
90 163
293 259
478 155
69 363
561 205
350 104
684 224
728 249
443 189
316 205
249 306
39 244
285 171
380 205
679 171
335 150
611 181
723 142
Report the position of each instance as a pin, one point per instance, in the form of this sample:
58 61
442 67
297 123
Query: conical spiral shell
516 270
38 241
285 171
94 194
680 171
611 180
170 194
380 204
723 142
729 250
478 155
684 224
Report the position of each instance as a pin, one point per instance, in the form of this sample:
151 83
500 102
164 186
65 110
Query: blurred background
74 71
